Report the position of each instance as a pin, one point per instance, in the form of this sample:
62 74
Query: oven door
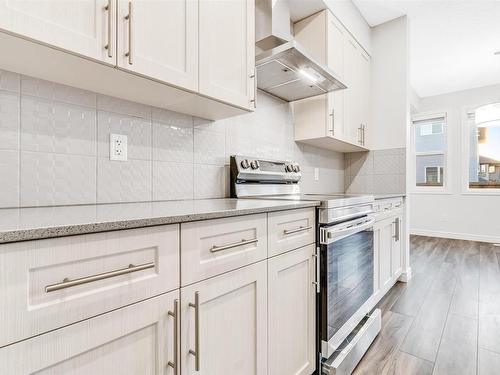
347 279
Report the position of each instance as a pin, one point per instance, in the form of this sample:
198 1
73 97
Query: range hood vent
285 69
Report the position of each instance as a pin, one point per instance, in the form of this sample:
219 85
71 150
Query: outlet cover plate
118 147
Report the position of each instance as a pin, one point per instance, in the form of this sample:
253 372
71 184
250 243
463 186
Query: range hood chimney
284 68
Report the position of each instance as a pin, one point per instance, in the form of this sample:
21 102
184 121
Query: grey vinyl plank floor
446 320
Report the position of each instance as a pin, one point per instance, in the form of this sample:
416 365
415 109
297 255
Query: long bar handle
254 77
196 351
67 283
130 34
175 314
297 230
397 224
109 46
215 248
332 115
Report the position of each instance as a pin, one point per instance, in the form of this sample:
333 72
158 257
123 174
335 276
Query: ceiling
452 43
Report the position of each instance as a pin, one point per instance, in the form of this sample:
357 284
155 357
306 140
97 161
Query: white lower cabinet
224 324
388 246
291 312
137 339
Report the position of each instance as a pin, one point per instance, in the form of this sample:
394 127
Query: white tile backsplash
50 126
55 91
9 81
49 179
9 172
137 130
9 120
58 137
172 180
119 181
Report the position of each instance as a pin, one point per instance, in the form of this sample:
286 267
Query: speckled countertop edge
51 231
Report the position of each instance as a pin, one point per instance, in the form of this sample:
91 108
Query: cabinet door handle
254 77
332 115
297 230
397 224
67 283
215 248
360 139
130 34
109 46
363 133
196 351
175 314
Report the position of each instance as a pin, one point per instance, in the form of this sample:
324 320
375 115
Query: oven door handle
329 233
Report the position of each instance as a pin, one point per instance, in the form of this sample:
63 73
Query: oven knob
244 164
254 164
289 168
296 169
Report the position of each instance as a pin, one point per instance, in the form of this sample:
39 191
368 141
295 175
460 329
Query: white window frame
438 171
464 142
414 189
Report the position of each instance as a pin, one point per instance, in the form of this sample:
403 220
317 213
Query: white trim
464 144
455 236
406 275
438 167
412 171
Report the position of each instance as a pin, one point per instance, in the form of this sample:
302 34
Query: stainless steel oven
346 279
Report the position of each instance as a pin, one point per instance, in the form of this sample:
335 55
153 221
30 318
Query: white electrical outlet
118 147
316 174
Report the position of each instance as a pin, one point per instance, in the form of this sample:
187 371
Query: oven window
349 277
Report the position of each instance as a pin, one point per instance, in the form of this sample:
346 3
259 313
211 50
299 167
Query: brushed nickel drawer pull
128 17
175 314
196 351
297 230
67 283
109 46
215 248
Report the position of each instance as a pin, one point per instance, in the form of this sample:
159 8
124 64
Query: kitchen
235 187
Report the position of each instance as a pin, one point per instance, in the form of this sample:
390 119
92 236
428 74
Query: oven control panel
252 169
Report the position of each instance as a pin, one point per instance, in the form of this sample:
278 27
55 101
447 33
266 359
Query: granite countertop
388 196
21 224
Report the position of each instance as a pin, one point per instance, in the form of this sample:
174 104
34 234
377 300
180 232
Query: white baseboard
455 236
405 276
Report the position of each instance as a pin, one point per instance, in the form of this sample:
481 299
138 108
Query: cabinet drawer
212 247
55 282
290 230
137 339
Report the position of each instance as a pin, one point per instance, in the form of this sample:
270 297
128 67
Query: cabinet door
160 40
224 324
227 51
335 45
383 242
365 95
396 258
292 306
84 27
352 95
137 339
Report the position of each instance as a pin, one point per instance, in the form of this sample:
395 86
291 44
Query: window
484 147
429 144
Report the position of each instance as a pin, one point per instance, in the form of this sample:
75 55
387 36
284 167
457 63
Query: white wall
390 84
455 214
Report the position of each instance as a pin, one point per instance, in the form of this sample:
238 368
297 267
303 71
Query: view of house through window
484 158
430 151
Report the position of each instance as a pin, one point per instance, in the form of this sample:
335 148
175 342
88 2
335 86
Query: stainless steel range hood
285 69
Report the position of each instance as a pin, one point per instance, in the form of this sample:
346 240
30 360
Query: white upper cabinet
159 39
337 120
85 27
227 51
